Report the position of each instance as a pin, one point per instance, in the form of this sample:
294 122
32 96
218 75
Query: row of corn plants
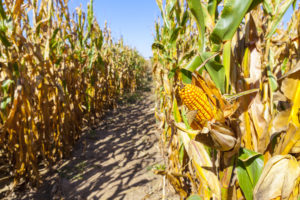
228 98
58 70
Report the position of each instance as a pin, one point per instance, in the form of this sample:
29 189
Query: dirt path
112 161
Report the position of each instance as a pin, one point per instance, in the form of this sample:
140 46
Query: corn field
59 71
228 98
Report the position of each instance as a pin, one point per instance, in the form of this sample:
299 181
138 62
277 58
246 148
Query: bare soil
112 161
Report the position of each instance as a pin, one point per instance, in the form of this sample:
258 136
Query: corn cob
195 99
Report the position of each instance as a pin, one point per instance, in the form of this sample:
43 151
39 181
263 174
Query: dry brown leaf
278 178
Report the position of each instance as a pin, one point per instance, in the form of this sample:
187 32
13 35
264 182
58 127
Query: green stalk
226 62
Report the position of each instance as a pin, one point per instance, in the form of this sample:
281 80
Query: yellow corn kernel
195 99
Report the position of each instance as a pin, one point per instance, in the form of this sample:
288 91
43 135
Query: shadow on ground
111 161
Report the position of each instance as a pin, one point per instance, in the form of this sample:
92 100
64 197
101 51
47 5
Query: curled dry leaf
257 113
223 137
203 165
192 133
288 141
278 124
291 89
296 147
277 179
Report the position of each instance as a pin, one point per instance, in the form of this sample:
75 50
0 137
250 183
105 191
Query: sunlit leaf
272 80
249 169
197 11
174 34
194 197
158 46
176 112
2 12
231 17
186 76
216 71
277 179
277 17
5 102
226 63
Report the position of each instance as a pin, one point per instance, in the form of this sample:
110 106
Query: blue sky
132 19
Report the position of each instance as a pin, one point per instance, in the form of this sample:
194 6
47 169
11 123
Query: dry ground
113 161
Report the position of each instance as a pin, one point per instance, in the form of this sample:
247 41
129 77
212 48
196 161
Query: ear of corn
195 99
248 55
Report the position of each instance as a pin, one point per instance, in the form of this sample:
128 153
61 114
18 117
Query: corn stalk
57 72
242 67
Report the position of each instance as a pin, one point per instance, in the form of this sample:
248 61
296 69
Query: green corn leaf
268 7
216 70
168 12
6 84
278 15
194 63
91 55
160 6
157 45
212 8
90 15
197 11
177 11
185 18
5 102
244 181
157 31
181 153
226 62
294 4
254 4
231 17
184 118
176 112
194 197
230 97
283 66
4 39
2 12
172 73
186 76
100 40
175 34
272 79
249 168
170 7
187 56
53 41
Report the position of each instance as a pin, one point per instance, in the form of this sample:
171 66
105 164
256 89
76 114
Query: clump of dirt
113 161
